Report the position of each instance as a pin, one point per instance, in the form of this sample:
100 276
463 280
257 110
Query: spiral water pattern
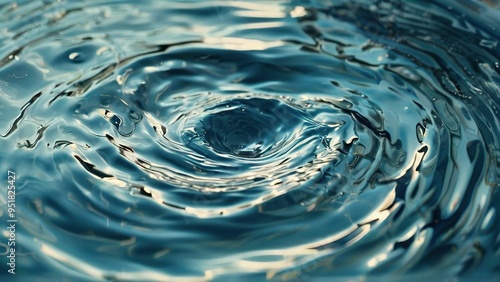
216 140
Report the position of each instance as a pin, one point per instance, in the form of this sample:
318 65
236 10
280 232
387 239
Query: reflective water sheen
229 140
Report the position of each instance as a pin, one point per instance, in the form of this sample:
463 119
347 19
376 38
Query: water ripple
220 140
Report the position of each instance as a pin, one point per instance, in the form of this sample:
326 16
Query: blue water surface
250 140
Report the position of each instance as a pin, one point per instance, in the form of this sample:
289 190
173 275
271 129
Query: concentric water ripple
223 140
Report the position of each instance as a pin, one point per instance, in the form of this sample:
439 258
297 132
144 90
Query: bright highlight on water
250 140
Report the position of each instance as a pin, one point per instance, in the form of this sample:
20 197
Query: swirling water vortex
223 140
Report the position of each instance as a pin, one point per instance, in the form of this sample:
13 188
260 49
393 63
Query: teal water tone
250 140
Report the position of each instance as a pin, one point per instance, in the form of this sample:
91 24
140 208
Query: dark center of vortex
248 128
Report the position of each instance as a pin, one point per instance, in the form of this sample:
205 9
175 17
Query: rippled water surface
251 140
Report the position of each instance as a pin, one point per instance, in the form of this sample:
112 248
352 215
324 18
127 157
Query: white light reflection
99 274
298 12
274 261
241 44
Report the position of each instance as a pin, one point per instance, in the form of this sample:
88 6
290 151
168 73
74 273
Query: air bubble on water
449 85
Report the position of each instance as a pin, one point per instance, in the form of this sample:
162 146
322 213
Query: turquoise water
250 140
